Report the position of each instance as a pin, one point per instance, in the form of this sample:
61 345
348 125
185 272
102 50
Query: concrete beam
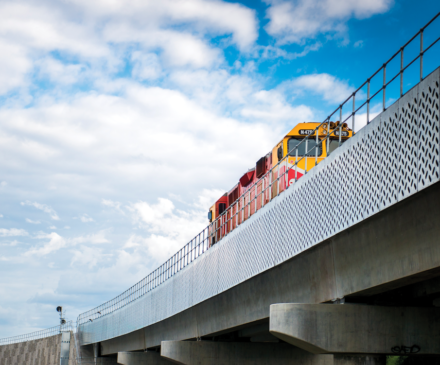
130 342
238 353
394 248
245 353
97 361
141 358
362 329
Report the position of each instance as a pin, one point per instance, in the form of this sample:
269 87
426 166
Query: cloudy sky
121 122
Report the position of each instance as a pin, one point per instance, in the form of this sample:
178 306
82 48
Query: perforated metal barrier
390 159
53 331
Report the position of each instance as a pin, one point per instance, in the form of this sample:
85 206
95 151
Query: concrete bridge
343 267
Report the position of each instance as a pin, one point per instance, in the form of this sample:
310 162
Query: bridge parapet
51 346
392 158
425 161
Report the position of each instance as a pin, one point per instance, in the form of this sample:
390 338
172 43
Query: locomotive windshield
334 144
293 142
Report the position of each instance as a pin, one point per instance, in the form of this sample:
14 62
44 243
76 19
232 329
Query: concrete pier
364 329
142 358
245 353
239 353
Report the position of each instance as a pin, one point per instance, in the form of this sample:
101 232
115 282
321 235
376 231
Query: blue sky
121 122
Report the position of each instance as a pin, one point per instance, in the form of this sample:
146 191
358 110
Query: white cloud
361 116
329 87
152 214
59 72
55 243
244 95
296 20
143 105
133 241
113 204
93 35
207 198
95 238
32 222
4 232
146 66
86 256
14 67
168 228
216 17
271 105
3 184
85 218
1 215
10 243
45 208
182 50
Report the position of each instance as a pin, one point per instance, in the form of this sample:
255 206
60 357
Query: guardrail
38 334
276 182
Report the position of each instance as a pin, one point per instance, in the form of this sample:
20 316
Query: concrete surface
391 249
44 351
141 358
238 353
348 328
245 353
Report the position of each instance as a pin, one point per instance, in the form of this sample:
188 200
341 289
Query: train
288 161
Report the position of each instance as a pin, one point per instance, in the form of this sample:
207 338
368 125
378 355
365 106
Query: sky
121 122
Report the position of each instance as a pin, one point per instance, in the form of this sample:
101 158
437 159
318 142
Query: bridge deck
388 161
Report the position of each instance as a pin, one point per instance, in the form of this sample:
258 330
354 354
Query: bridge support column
361 329
240 353
141 358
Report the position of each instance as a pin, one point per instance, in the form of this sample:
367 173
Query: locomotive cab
317 148
216 211
218 208
288 161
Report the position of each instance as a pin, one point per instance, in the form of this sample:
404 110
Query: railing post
368 101
270 184
296 164
305 155
328 137
316 147
354 111
340 125
278 178
384 85
340 135
249 203
421 55
401 72
236 217
255 196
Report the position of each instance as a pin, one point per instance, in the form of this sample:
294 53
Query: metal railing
273 183
53 331
278 175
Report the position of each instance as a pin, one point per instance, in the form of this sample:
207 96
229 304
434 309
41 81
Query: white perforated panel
428 139
408 146
393 157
